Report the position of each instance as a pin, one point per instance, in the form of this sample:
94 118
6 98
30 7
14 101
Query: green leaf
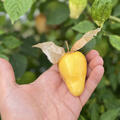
19 63
115 41
117 11
114 26
107 97
113 81
94 110
109 104
78 36
2 32
2 20
11 42
3 49
1 6
84 26
101 11
56 13
102 83
110 114
77 7
4 56
26 47
28 77
114 2
102 47
81 118
17 8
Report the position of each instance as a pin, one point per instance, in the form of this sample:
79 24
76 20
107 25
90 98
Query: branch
115 18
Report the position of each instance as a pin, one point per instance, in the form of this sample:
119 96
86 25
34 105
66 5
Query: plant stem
115 18
67 46
89 9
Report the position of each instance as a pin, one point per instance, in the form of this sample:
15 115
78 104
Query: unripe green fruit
69 34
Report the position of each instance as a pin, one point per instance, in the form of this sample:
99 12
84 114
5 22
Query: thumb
7 77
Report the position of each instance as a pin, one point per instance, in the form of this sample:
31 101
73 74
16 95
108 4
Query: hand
47 98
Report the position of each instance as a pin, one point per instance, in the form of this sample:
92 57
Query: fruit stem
115 18
67 46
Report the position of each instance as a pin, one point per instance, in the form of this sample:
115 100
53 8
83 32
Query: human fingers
7 77
92 54
91 83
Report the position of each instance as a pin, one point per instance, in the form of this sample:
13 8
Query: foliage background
16 42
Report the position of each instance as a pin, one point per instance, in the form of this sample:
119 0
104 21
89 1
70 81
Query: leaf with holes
101 11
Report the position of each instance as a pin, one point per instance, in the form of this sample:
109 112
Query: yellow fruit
41 23
73 69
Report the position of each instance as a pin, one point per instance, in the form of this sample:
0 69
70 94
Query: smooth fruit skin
41 24
73 69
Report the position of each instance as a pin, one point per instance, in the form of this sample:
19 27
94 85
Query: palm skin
48 97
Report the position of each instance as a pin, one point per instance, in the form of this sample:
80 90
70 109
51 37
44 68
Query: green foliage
19 63
114 2
2 20
115 26
69 34
17 8
101 11
102 46
16 41
84 26
27 49
1 6
56 12
94 110
111 114
116 11
115 41
11 42
4 56
28 77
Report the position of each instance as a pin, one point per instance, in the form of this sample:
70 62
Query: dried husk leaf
85 39
52 51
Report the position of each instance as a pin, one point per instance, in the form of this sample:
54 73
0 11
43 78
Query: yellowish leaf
85 39
53 52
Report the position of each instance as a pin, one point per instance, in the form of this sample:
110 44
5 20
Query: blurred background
48 20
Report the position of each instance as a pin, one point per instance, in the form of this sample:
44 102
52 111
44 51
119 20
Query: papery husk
85 39
52 51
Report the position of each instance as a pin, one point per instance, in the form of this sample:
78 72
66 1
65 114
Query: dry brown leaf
85 39
53 52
